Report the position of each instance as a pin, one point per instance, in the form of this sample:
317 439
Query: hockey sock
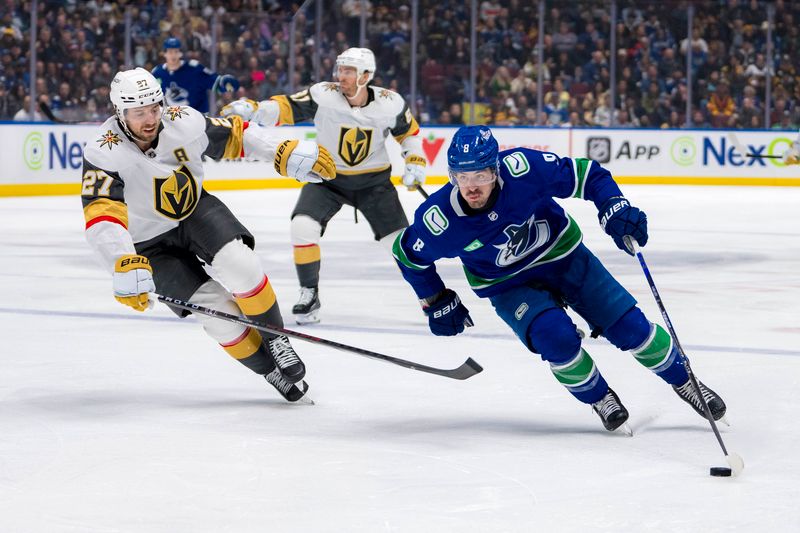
580 377
249 350
307 262
658 353
261 305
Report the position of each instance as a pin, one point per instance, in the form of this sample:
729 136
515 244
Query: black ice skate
289 364
292 392
612 412
688 394
306 310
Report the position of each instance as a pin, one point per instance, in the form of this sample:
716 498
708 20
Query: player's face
349 79
173 56
143 121
475 186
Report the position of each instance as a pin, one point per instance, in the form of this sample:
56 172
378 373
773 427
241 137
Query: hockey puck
720 471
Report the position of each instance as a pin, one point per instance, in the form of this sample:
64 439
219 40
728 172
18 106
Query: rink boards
45 159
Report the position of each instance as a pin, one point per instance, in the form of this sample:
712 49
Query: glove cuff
430 300
126 263
416 160
610 207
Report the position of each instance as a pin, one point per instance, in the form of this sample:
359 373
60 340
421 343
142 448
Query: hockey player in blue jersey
187 83
523 252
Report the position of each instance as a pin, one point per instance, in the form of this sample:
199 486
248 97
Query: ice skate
612 413
292 392
306 310
688 394
289 363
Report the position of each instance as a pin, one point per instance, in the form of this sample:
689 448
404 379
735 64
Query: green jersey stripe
400 254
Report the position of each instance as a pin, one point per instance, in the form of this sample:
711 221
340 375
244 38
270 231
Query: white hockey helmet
134 88
362 59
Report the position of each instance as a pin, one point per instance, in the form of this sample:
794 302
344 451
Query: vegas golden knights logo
176 196
354 144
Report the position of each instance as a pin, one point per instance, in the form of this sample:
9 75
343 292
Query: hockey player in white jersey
353 121
791 156
153 226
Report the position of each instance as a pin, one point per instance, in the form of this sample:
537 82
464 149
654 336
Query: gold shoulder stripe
233 148
286 117
413 128
105 209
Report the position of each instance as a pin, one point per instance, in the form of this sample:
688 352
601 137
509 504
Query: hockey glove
414 172
243 107
305 161
133 281
792 155
619 218
447 316
227 84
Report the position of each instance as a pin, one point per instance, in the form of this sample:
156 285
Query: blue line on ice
356 329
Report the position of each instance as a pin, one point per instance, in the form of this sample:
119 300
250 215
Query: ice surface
114 421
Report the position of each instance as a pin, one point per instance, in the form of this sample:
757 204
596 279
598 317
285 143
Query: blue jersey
522 236
189 85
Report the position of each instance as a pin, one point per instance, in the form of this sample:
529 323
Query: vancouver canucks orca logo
354 144
177 95
523 239
176 195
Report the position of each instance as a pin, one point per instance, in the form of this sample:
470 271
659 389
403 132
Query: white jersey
355 136
130 196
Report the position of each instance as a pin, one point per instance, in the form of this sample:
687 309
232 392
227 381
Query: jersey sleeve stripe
286 115
400 255
581 167
234 146
576 188
413 129
107 210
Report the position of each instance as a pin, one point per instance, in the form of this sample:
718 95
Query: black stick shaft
692 377
467 369
422 191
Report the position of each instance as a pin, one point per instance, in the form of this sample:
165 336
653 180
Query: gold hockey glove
133 281
305 161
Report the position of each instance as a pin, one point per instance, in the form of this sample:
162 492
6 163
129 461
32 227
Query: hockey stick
49 114
734 460
467 369
419 188
744 152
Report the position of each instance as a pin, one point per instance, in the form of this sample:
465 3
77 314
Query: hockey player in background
522 251
187 83
791 156
154 227
353 120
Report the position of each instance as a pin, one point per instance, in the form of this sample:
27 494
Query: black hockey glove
619 218
447 316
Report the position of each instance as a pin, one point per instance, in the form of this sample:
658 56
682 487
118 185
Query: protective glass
472 178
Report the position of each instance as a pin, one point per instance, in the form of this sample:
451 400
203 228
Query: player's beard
146 132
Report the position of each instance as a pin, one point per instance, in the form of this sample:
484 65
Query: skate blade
625 429
305 400
724 420
310 318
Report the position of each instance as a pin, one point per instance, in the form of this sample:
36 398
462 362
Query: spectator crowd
81 44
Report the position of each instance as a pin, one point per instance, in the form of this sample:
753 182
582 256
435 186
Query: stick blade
468 368
736 463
